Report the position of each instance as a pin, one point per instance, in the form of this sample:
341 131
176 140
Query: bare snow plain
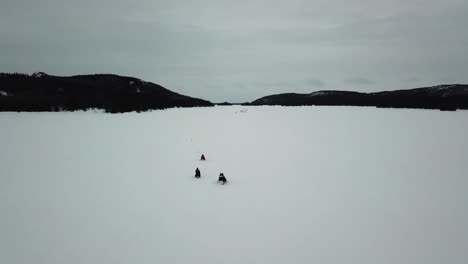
305 185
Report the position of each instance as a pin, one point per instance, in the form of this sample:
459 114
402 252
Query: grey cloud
247 50
359 81
412 80
293 84
315 83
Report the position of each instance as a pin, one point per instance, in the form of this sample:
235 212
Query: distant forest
113 93
117 94
443 97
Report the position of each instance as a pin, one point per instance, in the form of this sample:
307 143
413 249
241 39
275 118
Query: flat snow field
305 185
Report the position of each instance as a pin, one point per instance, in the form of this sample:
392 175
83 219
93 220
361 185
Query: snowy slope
306 185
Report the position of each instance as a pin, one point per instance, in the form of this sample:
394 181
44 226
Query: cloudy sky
226 50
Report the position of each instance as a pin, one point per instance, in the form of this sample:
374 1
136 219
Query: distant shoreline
41 92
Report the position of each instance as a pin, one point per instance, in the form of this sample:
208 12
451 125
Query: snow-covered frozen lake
306 185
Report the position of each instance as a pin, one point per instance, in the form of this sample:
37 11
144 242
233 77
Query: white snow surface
324 93
305 185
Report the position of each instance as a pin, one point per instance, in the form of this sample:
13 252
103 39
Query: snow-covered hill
41 92
449 97
306 185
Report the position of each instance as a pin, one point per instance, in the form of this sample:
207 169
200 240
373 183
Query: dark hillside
113 93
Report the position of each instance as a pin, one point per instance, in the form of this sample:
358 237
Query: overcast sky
238 51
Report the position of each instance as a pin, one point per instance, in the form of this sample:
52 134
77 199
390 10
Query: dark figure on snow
202 157
197 173
222 179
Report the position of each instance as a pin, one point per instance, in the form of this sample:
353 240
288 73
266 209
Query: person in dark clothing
202 157
197 173
222 179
